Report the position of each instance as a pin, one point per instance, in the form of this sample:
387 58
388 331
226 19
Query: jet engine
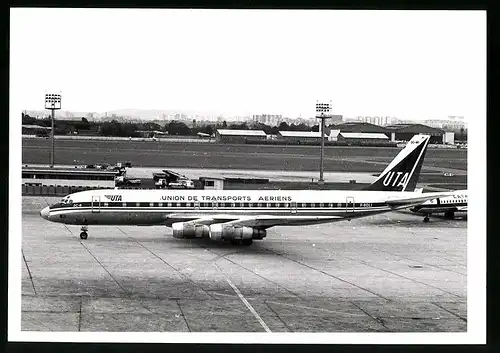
220 232
183 230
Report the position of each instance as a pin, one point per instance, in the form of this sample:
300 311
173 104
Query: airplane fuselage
165 207
457 202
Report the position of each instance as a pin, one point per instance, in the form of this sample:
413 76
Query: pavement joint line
242 298
328 274
105 269
29 272
45 199
380 321
166 263
80 315
452 261
395 274
39 321
422 262
408 278
279 317
183 316
256 274
451 312
319 309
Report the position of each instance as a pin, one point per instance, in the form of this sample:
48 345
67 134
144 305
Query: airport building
212 183
359 138
404 132
239 136
361 127
298 137
396 132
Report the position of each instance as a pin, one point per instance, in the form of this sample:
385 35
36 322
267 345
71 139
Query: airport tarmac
235 156
390 272
272 175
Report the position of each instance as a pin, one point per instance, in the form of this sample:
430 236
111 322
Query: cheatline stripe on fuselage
443 205
246 211
247 205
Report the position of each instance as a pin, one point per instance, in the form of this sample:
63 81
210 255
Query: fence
53 190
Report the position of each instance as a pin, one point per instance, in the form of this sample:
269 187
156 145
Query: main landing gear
426 218
83 234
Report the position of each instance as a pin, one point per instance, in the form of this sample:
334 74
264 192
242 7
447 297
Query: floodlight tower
52 102
323 111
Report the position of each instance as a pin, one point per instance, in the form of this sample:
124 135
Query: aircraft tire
83 235
426 219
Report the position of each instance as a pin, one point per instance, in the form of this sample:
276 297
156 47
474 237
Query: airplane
241 216
457 202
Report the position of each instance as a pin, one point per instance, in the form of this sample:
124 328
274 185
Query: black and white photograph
247 176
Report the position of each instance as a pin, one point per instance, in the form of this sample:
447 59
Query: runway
386 273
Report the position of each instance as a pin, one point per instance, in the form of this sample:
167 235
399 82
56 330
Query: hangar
404 132
362 138
361 127
298 137
239 136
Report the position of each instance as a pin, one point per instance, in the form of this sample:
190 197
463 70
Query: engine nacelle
181 230
220 232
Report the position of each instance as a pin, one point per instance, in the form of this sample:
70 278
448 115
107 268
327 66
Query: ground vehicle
179 184
161 183
172 180
122 180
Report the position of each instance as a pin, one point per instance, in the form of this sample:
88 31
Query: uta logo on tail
403 172
392 179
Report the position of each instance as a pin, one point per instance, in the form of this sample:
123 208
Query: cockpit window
66 201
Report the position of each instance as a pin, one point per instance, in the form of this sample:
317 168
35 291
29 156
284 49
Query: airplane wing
260 221
462 209
264 221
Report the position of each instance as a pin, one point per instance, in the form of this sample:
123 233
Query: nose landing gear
426 218
83 234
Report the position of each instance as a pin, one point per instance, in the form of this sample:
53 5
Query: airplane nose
45 213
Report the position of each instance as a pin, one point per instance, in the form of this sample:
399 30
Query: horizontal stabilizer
416 200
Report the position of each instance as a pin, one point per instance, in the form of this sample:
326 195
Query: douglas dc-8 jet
240 216
456 202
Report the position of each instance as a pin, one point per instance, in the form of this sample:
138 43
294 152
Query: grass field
171 155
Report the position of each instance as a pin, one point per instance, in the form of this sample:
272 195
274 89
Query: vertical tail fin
403 172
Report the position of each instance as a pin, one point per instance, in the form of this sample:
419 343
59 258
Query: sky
407 64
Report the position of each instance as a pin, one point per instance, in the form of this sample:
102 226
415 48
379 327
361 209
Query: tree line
130 129
116 128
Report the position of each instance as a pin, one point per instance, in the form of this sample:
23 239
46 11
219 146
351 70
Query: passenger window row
211 205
